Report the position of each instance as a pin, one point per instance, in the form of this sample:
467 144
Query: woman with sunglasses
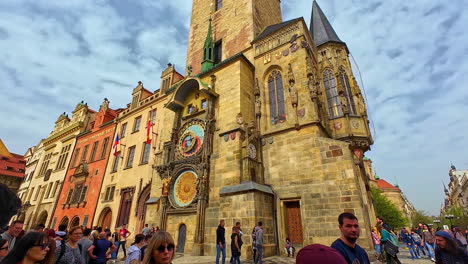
3 248
33 248
160 249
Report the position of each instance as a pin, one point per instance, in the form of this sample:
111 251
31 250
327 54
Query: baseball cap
319 254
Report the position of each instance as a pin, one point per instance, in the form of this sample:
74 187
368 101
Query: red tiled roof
384 184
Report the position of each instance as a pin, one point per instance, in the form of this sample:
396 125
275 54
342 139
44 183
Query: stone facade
82 185
457 193
259 136
55 154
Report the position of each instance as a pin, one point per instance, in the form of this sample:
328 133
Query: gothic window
334 107
344 81
275 91
218 52
218 4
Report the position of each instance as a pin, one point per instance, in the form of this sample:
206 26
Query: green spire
208 51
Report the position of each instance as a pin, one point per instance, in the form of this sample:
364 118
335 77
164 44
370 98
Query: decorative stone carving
343 103
292 88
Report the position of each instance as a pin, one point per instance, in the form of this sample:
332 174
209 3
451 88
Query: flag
116 143
148 130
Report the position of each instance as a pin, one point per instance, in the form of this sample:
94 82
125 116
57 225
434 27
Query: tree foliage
387 210
460 217
422 217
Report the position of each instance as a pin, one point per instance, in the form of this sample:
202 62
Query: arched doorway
181 238
75 221
64 221
42 218
141 207
105 218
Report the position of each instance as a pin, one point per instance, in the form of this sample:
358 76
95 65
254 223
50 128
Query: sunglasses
169 248
43 246
4 248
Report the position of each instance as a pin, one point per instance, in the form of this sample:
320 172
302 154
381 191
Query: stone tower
262 131
235 23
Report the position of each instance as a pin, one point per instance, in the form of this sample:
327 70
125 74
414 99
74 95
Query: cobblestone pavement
404 257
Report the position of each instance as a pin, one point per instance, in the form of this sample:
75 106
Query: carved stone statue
361 106
312 85
105 104
292 88
258 106
343 103
165 188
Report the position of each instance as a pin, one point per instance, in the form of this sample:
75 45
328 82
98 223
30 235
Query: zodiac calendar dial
191 140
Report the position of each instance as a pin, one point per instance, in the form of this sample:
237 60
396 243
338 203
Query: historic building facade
47 179
457 193
129 177
12 168
269 125
78 198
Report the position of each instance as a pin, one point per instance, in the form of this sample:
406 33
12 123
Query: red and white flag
148 130
116 143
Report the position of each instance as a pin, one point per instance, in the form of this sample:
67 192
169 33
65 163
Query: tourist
85 243
3 248
221 242
236 244
134 251
12 233
115 239
418 241
259 242
145 245
146 230
32 248
160 249
99 251
124 233
376 241
238 226
389 249
61 234
460 237
411 244
254 247
289 248
447 250
39 228
428 241
152 231
319 254
346 244
381 221
70 252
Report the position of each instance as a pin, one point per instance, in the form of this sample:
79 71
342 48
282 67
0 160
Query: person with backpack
70 251
389 245
99 251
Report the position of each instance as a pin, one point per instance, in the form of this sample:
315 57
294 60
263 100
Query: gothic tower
235 23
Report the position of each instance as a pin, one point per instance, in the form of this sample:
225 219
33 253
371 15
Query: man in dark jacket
447 250
220 242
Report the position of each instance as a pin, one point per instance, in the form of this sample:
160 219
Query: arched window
334 107
344 81
275 90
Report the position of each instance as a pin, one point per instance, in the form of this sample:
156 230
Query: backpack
63 247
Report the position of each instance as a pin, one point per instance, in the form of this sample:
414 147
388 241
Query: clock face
191 140
185 188
252 151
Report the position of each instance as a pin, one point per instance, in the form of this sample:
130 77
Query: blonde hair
158 239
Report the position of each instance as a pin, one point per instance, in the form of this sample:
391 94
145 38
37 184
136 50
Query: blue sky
412 56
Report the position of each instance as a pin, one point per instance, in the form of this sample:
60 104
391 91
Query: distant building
392 192
11 168
457 193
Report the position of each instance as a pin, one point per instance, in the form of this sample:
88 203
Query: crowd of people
81 245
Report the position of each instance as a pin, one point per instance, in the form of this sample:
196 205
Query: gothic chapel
269 125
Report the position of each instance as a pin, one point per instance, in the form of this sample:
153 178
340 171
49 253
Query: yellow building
51 161
268 125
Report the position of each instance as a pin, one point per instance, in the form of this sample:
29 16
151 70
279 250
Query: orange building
79 195
11 168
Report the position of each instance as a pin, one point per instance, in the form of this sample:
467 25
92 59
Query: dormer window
135 100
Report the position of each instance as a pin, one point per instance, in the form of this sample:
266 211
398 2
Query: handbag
390 248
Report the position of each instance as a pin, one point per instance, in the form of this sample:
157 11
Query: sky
412 57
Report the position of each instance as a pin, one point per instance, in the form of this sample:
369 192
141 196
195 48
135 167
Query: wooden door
106 220
294 221
181 238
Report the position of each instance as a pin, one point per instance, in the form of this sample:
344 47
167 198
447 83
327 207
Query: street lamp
437 221
450 217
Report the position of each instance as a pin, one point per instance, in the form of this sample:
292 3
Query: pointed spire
320 29
208 50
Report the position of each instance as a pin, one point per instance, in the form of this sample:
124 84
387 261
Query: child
288 247
376 240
